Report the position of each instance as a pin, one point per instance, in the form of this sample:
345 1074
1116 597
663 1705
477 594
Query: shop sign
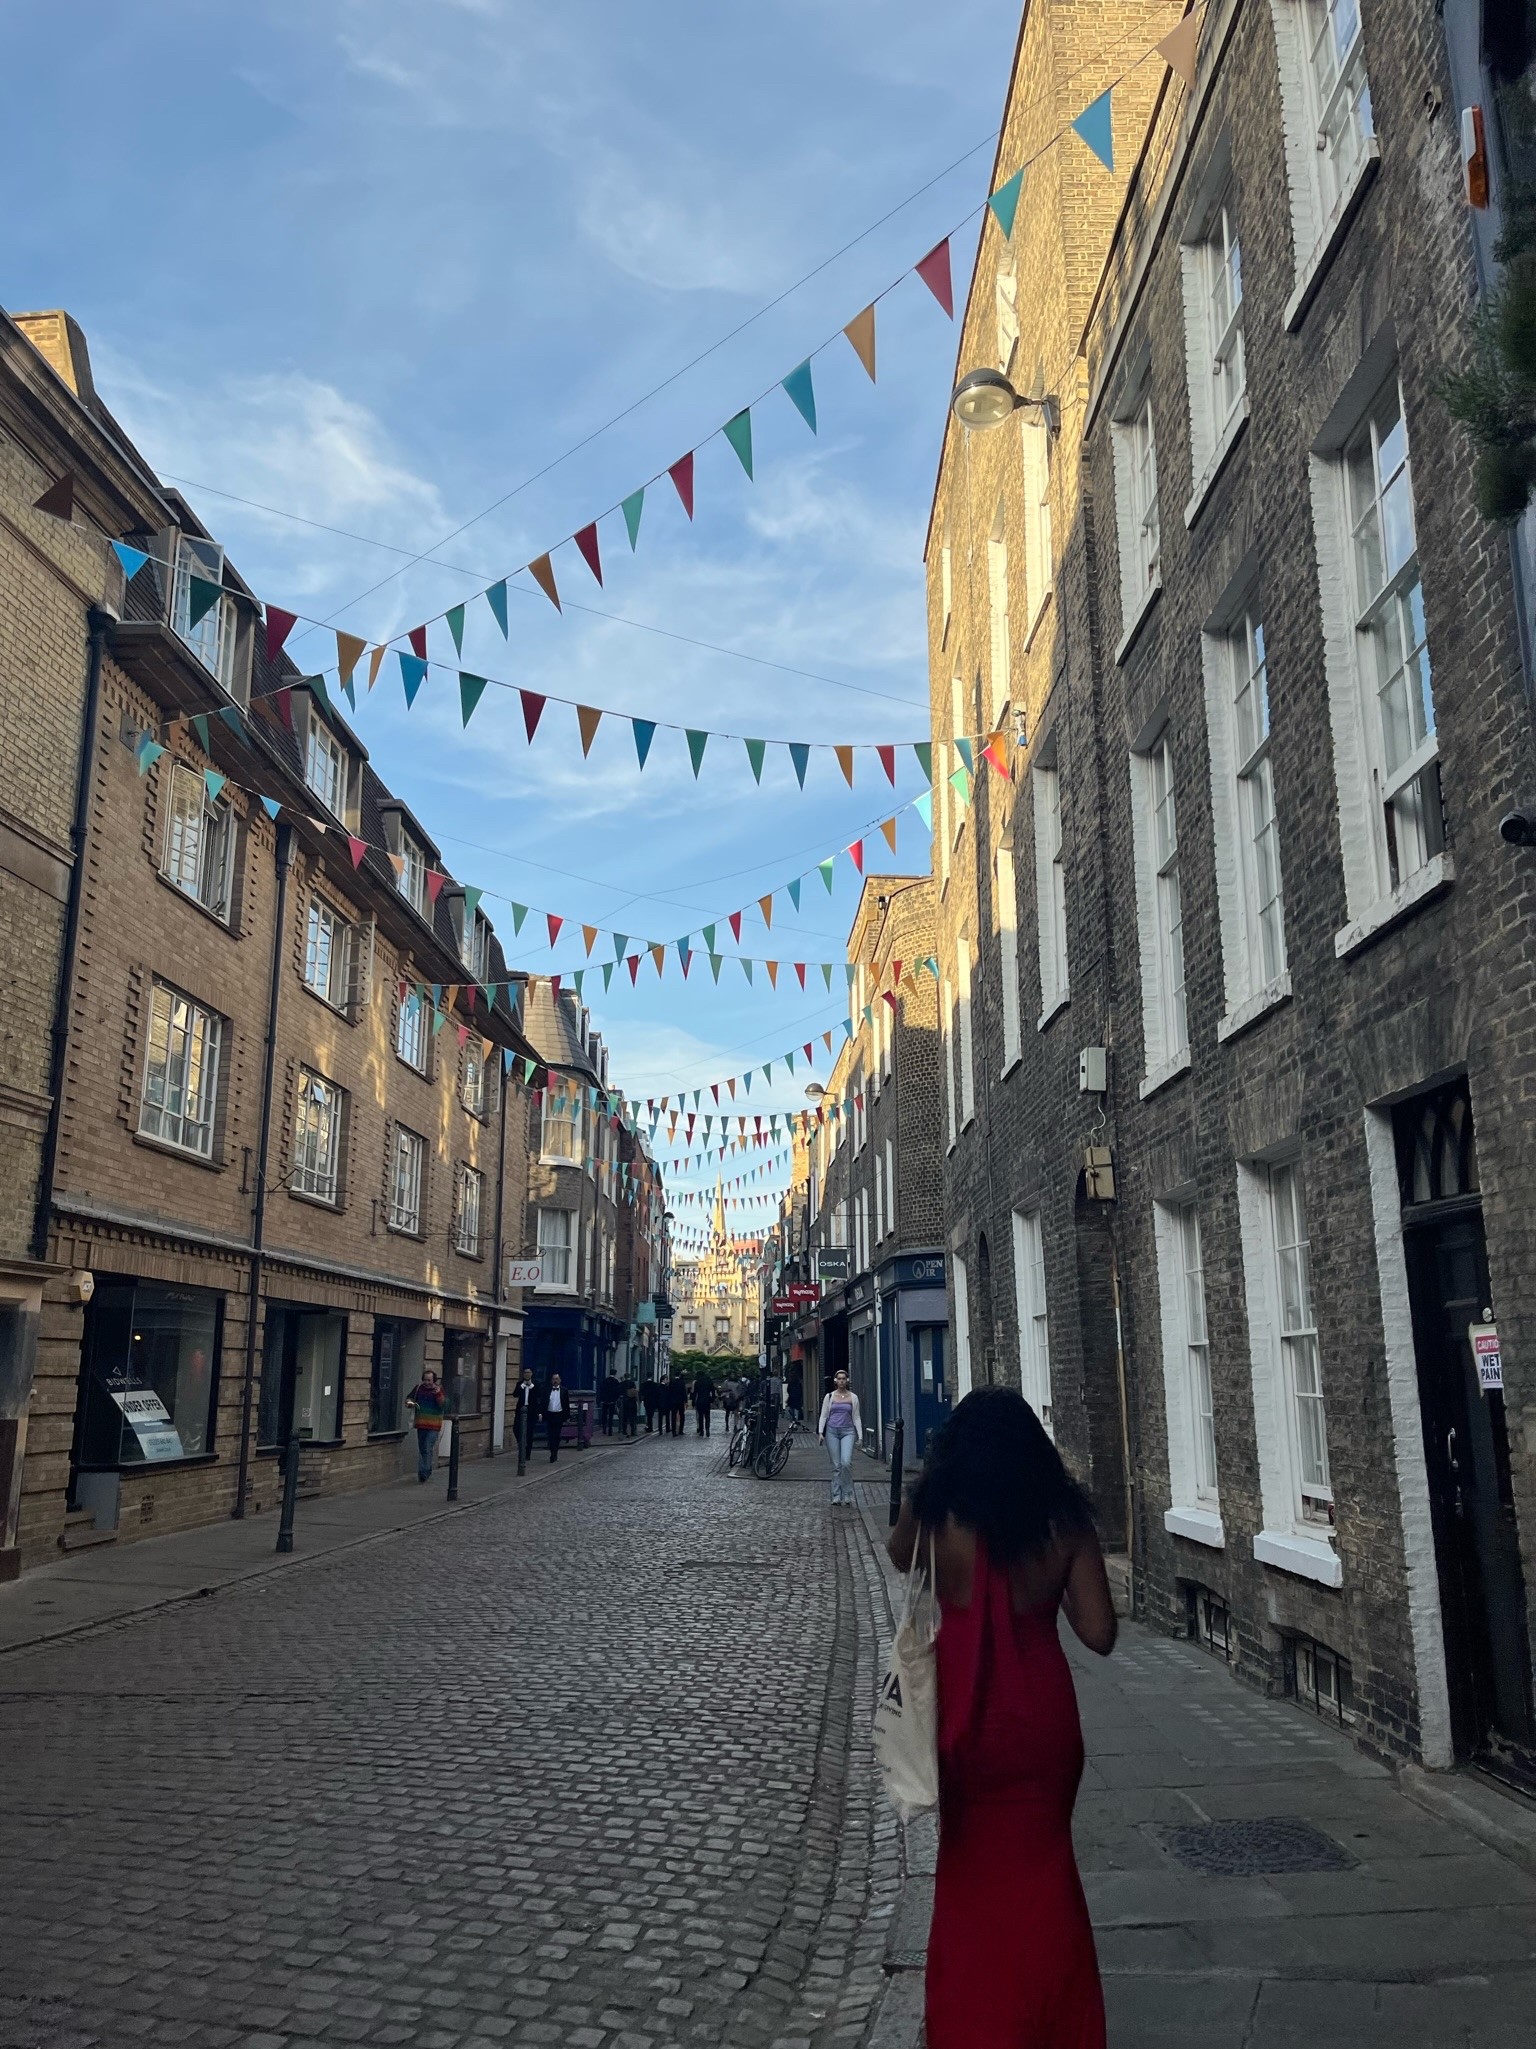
783 1305
1490 1361
524 1273
150 1421
804 1291
832 1262
920 1272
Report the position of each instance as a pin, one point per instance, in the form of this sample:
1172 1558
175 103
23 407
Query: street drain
1254 1849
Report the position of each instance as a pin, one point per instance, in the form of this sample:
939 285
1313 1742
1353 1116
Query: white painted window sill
1053 1011
1218 462
1138 620
1267 999
1438 873
1159 1077
1199 1525
1311 273
1040 611
1306 1557
1010 1064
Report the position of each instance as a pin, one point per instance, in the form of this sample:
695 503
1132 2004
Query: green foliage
1494 397
718 1365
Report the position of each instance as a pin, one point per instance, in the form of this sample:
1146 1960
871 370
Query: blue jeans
840 1452
426 1451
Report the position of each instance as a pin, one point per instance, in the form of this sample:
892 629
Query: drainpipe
99 621
263 1150
505 1083
1125 1425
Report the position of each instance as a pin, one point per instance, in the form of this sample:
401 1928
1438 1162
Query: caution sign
1490 1362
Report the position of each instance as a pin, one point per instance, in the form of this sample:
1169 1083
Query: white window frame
1193 1485
1216 366
1293 1538
1000 671
1039 565
1329 131
407 1177
325 767
952 1122
329 944
413 872
213 638
965 1014
475 1095
890 1188
1391 837
556 1243
1050 889
198 857
1006 296
1159 911
1034 1321
1006 896
319 1108
468 1208
1250 898
946 589
476 952
411 1035
879 1166
961 1347
1137 516
182 1059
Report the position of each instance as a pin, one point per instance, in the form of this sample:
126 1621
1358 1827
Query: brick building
644 1256
1274 1178
282 1084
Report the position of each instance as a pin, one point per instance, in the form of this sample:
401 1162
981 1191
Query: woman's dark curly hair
993 1468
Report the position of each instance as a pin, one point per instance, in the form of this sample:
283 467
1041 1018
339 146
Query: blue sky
378 262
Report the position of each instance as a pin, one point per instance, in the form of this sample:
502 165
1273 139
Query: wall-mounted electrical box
1093 1070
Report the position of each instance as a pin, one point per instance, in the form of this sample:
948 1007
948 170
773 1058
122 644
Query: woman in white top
839 1428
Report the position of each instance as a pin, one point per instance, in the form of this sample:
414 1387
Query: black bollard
453 1461
896 1450
524 1418
290 1495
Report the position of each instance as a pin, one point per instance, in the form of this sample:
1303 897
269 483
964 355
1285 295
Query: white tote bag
907 1709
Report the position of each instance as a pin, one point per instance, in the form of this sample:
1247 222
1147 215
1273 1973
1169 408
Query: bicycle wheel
778 1457
738 1451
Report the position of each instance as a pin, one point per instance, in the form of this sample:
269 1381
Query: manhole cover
1254 1849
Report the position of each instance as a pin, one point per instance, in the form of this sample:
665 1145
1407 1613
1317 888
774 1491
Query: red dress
1011 1961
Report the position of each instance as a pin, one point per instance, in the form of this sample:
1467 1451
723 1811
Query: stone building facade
1281 1165
718 1307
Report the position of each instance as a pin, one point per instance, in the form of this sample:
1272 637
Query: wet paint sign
1490 1361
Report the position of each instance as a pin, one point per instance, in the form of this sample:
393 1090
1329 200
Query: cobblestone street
547 1773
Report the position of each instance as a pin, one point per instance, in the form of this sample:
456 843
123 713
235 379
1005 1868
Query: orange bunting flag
1178 48
349 651
861 333
845 763
589 934
374 661
888 827
589 720
543 573
659 955
773 972
994 752
765 905
397 862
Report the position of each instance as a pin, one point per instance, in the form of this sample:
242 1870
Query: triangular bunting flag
697 742
888 763
765 905
633 964
755 752
1095 127
800 977
620 941
1179 47
59 499
738 432
888 827
533 708
413 673
214 783
455 618
202 596
934 272
645 733
435 881
271 805
798 385
659 955
496 598
793 890
543 573
845 763
586 540
1004 203
375 661
349 652
589 938
132 559
966 752
554 925
856 855
418 639
923 806
279 625
716 962
632 507
519 912
734 921
608 968
800 755
861 333
356 848
147 754
681 473
960 783
200 727
773 974
923 749
824 868
588 719
471 690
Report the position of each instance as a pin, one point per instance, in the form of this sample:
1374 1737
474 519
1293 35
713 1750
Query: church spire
719 1219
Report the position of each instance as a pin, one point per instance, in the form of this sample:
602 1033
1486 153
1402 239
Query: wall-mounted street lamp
985 398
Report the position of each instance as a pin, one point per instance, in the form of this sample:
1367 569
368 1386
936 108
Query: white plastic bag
907 1708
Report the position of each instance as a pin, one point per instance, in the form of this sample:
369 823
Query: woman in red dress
1011 1961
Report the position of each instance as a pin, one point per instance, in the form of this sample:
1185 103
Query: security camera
1518 825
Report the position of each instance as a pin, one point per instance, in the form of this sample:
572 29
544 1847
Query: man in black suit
525 1413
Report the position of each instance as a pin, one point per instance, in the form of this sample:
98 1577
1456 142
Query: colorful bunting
825 869
418 639
765 905
1095 126
543 573
471 690
738 432
861 333
214 783
271 805
845 763
1178 49
59 499
1004 203
934 272
356 848
349 652
413 673
696 745
279 625
496 598
800 755
798 386
533 708
632 508
856 855
202 596
681 473
375 660
588 720
586 540
554 925
131 559
755 751
888 827
455 618
923 749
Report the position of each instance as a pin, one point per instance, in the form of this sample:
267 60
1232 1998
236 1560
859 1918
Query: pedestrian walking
839 1428
797 1392
703 1402
554 1414
730 1396
650 1398
525 1413
1011 1957
429 1402
630 1410
609 1396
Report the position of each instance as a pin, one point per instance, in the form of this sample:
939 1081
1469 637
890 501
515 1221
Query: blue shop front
578 1344
909 1343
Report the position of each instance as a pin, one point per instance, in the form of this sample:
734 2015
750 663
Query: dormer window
205 621
476 948
325 768
413 873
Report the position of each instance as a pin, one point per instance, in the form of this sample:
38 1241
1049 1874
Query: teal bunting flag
147 754
1004 203
471 690
824 869
213 783
132 559
645 733
496 598
519 912
960 783
755 751
697 742
351 693
202 596
793 889
851 971
608 967
200 727
455 618
1095 126
632 508
230 714
577 978
746 966
798 385
826 973
738 432
413 673
800 755
472 898
923 806
620 941
684 953
709 937
530 1069
923 749
847 1028
271 805
967 754
507 1058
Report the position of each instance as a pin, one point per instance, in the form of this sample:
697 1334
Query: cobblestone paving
588 1769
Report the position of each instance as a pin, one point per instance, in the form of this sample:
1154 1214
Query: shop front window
151 1364
301 1368
463 1353
399 1348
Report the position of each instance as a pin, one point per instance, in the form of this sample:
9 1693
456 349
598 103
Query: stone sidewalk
1423 1932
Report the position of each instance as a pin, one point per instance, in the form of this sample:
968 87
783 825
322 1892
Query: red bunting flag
586 540
681 473
554 925
357 849
283 699
889 996
809 1056
888 763
934 272
856 855
279 625
896 972
800 971
418 639
633 964
435 881
734 921
533 708
554 987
